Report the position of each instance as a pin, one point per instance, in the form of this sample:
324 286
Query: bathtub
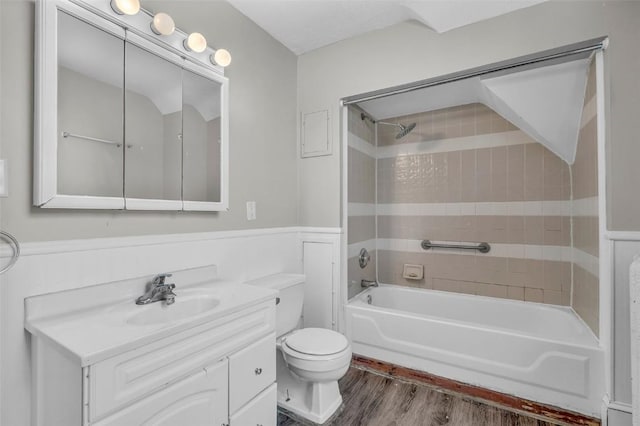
534 351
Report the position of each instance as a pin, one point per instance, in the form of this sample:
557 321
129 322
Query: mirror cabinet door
201 138
89 110
153 127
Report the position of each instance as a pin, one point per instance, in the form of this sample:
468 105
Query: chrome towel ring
15 246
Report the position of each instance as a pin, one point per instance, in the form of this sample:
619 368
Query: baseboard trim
501 400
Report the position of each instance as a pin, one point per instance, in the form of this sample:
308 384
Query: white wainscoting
60 265
624 246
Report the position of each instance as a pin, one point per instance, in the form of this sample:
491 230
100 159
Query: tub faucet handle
368 283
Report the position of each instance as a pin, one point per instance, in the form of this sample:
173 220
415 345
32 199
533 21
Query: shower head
404 130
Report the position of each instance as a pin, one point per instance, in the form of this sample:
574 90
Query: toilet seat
316 342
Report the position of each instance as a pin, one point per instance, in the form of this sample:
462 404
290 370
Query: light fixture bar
160 29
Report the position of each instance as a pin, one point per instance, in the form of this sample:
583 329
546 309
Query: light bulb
125 7
162 24
195 42
222 57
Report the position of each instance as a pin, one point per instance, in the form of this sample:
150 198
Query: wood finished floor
374 400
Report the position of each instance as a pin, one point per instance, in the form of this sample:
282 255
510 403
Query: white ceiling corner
446 15
305 25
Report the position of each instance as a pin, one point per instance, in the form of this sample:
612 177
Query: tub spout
368 283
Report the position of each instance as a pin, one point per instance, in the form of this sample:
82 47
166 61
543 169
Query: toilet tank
291 289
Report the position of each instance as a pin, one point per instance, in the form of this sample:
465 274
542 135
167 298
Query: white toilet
310 360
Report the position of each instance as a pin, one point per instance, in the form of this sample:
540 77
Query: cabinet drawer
200 399
122 379
251 370
261 411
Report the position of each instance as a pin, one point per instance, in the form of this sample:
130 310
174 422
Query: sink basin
185 307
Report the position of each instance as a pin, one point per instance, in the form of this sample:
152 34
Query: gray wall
360 64
262 131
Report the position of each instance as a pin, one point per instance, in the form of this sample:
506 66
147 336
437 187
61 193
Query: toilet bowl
316 354
310 361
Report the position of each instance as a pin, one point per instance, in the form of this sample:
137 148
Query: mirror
201 138
124 118
90 110
153 124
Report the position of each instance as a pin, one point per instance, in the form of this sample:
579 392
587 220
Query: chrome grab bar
481 247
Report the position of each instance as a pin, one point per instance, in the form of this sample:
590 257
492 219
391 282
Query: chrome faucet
158 290
368 283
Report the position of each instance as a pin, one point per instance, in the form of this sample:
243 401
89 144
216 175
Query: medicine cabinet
125 119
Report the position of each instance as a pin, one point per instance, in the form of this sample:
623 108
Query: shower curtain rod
587 46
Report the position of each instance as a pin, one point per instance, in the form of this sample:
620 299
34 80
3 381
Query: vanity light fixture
162 24
221 57
125 7
195 42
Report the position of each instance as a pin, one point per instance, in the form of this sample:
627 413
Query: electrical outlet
251 210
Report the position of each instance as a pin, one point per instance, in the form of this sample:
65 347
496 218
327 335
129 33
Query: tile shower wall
361 228
465 174
585 212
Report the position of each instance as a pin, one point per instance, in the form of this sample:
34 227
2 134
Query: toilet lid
317 341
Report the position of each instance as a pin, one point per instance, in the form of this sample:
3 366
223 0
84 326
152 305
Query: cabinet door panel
200 399
261 411
251 370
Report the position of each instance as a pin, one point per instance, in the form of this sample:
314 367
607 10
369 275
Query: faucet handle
159 279
170 298
368 283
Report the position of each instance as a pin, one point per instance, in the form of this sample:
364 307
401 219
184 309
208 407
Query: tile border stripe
582 208
585 260
488 140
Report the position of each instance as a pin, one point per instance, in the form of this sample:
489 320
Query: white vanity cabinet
216 371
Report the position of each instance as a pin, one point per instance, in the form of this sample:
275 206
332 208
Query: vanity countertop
97 331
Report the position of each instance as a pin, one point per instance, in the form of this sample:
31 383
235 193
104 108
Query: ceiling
305 25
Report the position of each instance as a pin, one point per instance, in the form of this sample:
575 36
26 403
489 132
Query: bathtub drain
369 299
